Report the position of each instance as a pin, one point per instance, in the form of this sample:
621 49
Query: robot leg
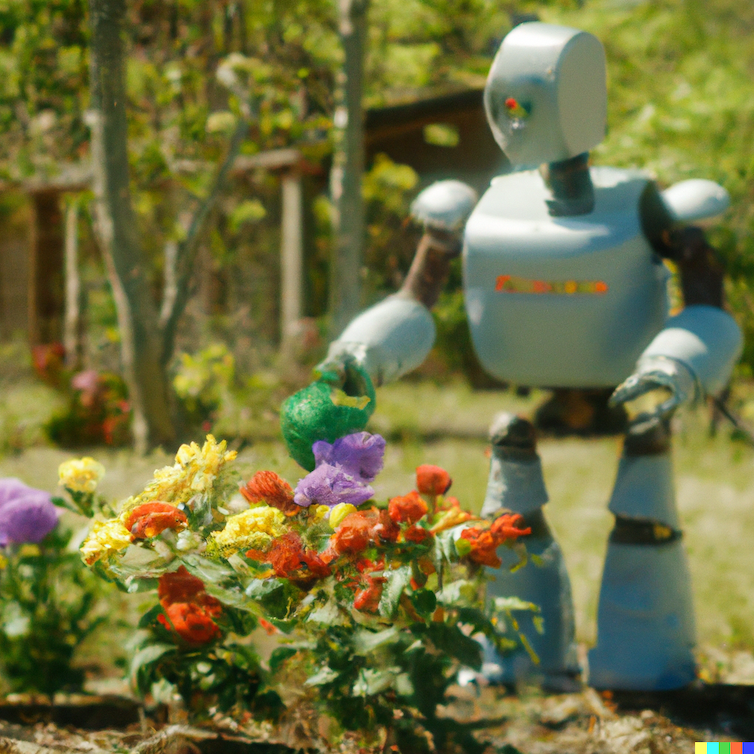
516 483
645 619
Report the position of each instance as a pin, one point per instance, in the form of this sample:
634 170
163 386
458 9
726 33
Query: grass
447 426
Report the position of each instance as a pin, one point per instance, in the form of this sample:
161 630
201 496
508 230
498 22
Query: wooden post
73 293
46 269
291 260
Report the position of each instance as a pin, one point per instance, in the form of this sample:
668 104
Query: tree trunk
141 346
348 166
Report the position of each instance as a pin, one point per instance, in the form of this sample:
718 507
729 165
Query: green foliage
97 412
47 609
202 380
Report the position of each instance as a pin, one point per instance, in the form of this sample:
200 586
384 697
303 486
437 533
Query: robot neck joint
571 186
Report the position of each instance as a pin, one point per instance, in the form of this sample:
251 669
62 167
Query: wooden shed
32 268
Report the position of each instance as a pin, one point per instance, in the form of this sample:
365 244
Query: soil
528 722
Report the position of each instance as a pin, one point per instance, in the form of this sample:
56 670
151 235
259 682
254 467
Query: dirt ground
529 722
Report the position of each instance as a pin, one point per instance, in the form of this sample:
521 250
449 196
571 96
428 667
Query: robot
565 286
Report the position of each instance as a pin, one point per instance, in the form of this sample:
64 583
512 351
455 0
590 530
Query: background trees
679 103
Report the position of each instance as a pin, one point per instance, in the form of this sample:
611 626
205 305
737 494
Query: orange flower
416 534
270 630
353 534
179 586
291 560
268 487
190 610
383 529
192 622
407 509
149 519
484 542
483 546
367 600
432 480
504 527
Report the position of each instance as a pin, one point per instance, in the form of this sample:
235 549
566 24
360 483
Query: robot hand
444 206
662 374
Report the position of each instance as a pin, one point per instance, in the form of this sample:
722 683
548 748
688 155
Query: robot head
546 93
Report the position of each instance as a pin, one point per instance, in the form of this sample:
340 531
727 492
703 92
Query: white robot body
562 301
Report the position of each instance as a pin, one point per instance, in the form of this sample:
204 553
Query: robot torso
562 301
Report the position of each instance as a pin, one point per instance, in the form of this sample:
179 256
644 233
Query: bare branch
178 293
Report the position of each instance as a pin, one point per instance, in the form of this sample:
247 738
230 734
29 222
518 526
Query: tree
348 167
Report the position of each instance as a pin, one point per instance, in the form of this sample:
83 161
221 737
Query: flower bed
376 606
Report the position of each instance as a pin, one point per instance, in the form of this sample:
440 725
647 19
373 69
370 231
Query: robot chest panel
561 302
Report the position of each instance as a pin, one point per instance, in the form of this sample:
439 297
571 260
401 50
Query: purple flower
330 485
26 514
359 455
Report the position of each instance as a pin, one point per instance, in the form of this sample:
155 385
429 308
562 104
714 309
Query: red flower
192 622
407 509
511 103
483 546
432 480
270 630
384 529
179 586
268 487
484 542
367 600
291 560
353 534
504 527
416 534
149 519
190 610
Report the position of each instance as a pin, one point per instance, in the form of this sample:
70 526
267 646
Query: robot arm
691 357
694 354
395 336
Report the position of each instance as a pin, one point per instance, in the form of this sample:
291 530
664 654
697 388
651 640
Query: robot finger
632 388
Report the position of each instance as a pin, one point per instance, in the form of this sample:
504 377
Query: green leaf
454 643
324 676
328 614
458 592
505 604
445 548
279 656
209 571
366 641
424 601
372 681
260 588
229 597
397 581
146 656
150 616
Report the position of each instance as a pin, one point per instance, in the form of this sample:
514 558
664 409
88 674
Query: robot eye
515 109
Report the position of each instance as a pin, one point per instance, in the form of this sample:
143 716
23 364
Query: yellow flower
339 512
104 538
195 470
320 512
80 474
253 529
